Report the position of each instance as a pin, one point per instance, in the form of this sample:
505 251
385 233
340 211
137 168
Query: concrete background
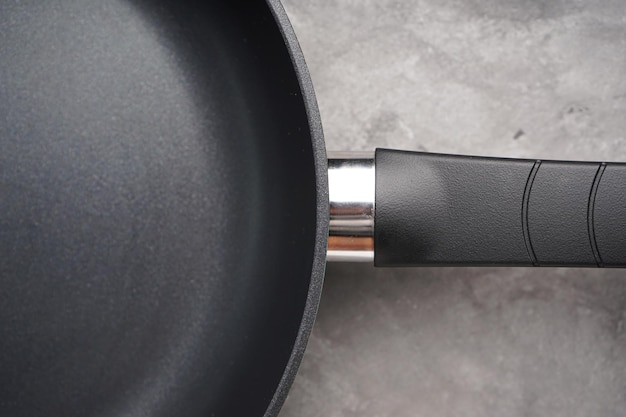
516 78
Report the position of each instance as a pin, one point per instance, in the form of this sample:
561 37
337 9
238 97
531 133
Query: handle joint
351 186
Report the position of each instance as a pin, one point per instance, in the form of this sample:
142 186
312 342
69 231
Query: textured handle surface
434 209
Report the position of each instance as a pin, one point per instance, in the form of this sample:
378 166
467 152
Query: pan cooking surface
158 209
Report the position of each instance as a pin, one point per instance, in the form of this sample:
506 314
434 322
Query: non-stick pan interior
157 210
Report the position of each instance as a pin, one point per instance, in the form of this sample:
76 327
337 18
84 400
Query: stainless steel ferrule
352 192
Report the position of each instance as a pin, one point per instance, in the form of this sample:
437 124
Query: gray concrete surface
517 78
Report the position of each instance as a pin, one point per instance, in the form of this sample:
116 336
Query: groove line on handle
525 229
590 215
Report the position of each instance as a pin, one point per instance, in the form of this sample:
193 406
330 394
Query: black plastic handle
435 209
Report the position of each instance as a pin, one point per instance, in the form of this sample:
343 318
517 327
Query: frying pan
165 208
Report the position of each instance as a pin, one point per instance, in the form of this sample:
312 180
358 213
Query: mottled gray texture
519 78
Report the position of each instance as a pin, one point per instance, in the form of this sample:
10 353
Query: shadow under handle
436 209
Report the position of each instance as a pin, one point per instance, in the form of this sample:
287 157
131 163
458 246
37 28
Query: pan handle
436 209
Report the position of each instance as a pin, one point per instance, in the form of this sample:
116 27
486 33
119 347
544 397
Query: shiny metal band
351 186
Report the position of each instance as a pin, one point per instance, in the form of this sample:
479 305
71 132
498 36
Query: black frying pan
163 227
164 208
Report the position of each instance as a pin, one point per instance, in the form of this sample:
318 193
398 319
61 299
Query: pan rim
322 221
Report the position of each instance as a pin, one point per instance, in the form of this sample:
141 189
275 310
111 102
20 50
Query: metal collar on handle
351 186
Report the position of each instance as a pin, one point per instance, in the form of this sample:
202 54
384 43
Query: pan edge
321 180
